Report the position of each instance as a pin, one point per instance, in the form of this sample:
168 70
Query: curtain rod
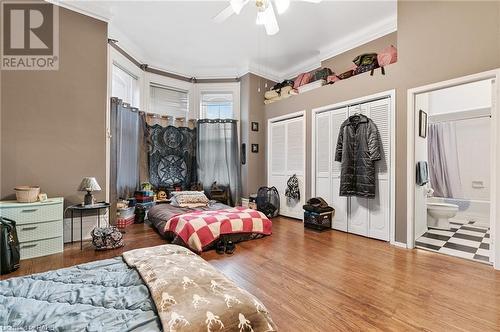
144 67
431 121
153 115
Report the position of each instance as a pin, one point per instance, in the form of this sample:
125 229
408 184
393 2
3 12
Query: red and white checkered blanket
201 228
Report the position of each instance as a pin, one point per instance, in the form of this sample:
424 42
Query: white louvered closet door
358 206
295 156
324 156
379 207
358 215
286 158
277 162
339 203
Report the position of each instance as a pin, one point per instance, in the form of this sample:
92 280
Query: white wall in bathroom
421 103
473 143
473 135
464 97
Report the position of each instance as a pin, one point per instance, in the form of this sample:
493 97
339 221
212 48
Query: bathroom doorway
453 183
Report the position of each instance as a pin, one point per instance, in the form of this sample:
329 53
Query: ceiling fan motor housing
260 4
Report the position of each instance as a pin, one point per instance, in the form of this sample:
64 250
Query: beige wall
53 122
252 110
436 41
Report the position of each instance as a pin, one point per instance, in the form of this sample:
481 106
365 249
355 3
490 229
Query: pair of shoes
225 247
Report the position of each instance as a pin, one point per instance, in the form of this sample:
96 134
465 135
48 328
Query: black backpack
268 201
365 62
9 246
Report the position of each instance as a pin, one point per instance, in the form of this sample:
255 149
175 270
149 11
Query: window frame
136 87
233 88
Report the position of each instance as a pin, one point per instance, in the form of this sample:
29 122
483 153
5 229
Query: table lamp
89 184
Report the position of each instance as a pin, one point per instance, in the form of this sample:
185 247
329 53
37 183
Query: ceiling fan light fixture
282 5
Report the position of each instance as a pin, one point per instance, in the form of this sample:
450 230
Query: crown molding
372 32
264 72
96 12
356 39
305 66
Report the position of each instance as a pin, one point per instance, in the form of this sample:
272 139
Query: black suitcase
9 246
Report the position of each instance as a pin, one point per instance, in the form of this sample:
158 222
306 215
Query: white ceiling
180 36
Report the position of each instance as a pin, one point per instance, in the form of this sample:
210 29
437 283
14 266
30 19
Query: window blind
168 101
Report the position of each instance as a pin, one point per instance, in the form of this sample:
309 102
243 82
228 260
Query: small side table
82 208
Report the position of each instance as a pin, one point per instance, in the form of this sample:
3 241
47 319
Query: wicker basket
27 194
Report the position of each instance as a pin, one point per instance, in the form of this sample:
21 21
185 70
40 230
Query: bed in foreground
200 228
163 288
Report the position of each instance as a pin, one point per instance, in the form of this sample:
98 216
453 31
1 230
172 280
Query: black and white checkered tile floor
463 240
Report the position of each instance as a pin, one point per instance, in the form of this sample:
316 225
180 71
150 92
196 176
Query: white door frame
495 156
392 162
268 153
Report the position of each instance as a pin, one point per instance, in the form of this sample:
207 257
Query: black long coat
358 147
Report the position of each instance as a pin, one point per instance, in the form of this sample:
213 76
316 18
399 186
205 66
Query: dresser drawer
33 214
41 247
39 231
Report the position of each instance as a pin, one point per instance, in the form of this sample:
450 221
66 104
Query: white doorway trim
392 162
300 114
493 75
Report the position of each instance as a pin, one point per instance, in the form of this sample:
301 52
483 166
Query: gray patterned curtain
172 156
218 155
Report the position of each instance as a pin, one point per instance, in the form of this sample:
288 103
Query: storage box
122 223
125 213
318 221
244 202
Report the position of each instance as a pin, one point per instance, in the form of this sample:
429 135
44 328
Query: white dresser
39 225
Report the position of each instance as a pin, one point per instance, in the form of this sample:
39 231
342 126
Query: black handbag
104 238
9 246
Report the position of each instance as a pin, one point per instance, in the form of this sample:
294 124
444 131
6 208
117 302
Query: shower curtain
218 155
444 168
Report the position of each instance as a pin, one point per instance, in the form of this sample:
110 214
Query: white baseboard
399 244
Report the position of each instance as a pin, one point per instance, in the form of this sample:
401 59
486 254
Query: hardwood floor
335 281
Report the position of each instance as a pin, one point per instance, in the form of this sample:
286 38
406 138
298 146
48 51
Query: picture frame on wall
422 124
255 148
255 126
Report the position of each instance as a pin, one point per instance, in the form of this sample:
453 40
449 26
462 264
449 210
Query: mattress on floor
164 287
105 295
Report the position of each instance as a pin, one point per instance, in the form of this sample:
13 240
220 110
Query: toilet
439 214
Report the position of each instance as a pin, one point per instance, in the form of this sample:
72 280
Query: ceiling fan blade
282 5
270 21
238 5
223 15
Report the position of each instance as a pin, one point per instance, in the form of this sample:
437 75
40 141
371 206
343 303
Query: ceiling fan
265 12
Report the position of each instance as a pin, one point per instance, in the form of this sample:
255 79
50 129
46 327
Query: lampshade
89 184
